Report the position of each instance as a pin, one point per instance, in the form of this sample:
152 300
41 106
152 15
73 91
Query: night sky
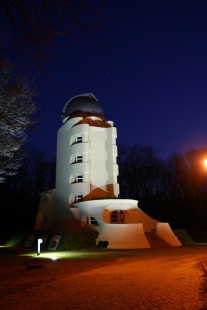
150 76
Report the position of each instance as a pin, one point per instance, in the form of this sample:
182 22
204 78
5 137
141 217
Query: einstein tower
86 194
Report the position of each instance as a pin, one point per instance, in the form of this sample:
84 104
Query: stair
156 242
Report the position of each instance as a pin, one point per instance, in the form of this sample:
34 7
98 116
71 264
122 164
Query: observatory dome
86 104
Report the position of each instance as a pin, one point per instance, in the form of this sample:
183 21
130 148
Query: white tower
86 152
86 193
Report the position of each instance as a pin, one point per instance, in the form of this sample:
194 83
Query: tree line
19 194
173 190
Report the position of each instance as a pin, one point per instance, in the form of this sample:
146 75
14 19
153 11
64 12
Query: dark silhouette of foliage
20 194
17 110
172 190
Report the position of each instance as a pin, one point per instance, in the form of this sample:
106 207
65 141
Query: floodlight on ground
39 241
60 255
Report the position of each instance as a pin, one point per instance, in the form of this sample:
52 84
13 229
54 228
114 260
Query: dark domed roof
83 104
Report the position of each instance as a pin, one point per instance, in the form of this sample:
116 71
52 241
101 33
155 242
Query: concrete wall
99 152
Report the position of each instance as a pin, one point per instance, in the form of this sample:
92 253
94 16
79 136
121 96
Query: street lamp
39 241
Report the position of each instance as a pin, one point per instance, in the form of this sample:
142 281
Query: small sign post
39 241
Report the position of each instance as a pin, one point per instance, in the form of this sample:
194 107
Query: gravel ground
168 278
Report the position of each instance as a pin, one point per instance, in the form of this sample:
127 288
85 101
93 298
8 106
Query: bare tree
33 25
17 110
137 171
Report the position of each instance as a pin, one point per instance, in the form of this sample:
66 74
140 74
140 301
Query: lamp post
39 241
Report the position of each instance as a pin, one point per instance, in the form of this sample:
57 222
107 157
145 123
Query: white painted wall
128 236
98 156
99 152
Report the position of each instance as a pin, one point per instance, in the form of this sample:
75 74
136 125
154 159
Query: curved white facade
86 193
86 158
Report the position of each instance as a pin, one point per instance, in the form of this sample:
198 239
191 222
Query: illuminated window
78 198
117 217
78 178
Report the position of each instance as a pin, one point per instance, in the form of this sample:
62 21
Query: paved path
164 279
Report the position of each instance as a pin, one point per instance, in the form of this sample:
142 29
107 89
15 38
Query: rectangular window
94 221
78 140
78 178
78 198
78 159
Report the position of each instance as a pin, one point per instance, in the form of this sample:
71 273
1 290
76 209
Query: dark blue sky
150 77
